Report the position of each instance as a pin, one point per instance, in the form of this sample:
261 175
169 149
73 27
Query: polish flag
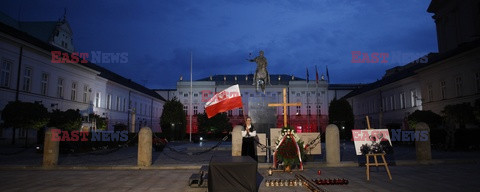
227 99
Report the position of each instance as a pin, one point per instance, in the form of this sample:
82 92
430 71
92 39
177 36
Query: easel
375 155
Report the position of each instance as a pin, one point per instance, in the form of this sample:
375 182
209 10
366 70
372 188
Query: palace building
449 77
312 116
29 75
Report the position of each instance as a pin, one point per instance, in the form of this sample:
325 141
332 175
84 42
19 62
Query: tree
173 120
340 113
120 127
25 115
433 120
218 124
68 120
456 117
100 122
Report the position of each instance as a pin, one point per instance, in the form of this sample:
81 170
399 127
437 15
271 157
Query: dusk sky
159 35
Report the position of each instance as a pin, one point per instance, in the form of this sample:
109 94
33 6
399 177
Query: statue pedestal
263 117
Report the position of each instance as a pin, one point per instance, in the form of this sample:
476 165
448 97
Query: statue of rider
261 65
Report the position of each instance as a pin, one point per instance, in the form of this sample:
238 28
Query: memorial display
372 141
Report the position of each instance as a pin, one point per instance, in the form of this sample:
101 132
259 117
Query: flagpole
308 104
316 97
318 115
328 85
191 93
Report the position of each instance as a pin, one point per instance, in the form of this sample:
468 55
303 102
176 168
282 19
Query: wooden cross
284 105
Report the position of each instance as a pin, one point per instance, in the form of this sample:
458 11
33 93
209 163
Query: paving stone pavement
20 170
449 177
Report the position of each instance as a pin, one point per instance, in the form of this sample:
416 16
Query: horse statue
261 76
261 79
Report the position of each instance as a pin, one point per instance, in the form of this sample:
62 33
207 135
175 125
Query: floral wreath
287 148
289 132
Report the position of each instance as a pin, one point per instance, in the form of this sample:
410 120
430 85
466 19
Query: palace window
195 110
402 100
392 103
109 101
85 93
443 89
413 98
458 85
60 88
27 79
73 95
97 99
44 84
5 73
117 103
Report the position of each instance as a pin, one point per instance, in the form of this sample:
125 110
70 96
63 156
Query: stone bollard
50 149
332 144
422 144
145 147
237 140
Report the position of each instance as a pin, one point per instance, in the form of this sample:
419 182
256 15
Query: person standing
248 141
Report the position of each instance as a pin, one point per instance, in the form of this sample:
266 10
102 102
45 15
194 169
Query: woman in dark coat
248 141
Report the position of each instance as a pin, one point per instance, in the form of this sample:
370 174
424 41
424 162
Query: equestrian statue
261 76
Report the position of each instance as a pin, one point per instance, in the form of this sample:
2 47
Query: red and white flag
227 99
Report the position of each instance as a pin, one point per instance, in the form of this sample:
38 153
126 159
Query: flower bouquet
290 150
